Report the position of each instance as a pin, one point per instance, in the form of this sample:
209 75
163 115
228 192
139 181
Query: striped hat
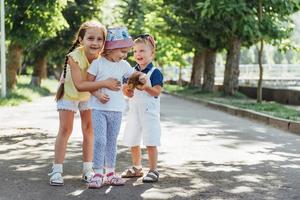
118 37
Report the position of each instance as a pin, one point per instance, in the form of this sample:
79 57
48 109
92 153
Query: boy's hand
113 84
136 80
103 98
143 87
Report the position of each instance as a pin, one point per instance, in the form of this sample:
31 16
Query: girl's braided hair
80 35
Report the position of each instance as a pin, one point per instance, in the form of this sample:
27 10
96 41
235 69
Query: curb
287 125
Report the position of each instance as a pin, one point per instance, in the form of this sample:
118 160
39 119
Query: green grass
239 100
24 92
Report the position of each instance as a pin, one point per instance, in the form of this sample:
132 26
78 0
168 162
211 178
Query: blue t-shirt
156 77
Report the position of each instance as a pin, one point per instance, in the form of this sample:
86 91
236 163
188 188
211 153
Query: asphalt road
205 154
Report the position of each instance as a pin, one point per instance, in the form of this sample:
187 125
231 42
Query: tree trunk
14 62
260 56
57 71
231 74
44 72
179 82
39 71
261 71
198 68
209 70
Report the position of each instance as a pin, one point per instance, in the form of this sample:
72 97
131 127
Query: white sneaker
56 179
88 176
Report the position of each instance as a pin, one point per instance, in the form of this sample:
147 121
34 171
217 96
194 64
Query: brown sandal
132 172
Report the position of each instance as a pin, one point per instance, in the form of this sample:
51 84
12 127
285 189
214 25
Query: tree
28 22
133 15
197 68
274 27
55 48
260 54
235 22
185 20
239 25
38 55
144 17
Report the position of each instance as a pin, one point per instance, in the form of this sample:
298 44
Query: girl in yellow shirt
73 95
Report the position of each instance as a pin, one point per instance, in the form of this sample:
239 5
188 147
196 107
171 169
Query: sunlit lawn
24 92
239 100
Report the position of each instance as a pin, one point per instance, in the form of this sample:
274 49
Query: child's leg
152 157
113 128
136 156
152 175
132 134
136 170
66 119
88 136
87 144
99 123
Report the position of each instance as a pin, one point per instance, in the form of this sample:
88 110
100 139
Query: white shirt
103 69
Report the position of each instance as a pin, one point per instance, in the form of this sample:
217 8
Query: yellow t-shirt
70 91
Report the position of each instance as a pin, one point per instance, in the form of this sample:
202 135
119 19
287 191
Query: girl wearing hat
108 105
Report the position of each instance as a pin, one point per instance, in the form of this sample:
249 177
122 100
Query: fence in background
277 75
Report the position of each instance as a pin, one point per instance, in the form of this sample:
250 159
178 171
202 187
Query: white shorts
74 106
143 124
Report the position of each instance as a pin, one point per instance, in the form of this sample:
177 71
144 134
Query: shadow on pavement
26 157
269 170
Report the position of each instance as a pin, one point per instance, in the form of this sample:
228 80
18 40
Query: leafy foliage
75 13
29 21
145 17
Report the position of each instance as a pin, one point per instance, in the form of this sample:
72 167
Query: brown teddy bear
135 80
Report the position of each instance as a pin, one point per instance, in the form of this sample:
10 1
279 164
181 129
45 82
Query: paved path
206 154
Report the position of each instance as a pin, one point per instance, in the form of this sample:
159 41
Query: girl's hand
103 98
113 84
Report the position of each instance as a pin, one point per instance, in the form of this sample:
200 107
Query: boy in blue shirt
144 111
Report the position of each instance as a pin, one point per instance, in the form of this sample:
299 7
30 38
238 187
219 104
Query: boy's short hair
146 39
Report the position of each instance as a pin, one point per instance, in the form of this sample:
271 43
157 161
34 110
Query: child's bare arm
91 77
103 98
82 85
153 91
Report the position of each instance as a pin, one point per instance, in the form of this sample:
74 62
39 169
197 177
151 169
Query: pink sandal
113 179
97 182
